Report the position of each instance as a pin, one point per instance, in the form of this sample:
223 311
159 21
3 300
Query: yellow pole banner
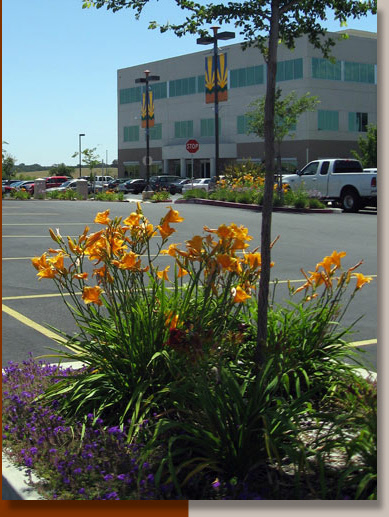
150 114
222 79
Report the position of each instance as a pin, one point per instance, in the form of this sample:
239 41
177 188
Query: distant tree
367 154
7 163
286 114
114 163
90 158
61 170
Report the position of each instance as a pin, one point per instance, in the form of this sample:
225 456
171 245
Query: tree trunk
263 293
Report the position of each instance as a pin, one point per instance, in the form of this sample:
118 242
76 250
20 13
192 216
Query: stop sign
192 146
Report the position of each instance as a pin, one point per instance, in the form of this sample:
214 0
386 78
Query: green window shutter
242 79
328 120
289 71
298 68
131 134
352 122
156 132
234 79
250 76
201 84
241 124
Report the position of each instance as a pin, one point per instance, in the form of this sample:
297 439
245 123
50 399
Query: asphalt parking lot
29 305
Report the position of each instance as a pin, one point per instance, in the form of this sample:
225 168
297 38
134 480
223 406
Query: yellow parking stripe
32 324
366 342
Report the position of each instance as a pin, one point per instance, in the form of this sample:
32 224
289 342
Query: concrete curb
257 208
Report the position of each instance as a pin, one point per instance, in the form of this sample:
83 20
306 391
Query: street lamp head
81 134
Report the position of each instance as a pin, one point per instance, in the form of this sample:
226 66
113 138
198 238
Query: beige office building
345 86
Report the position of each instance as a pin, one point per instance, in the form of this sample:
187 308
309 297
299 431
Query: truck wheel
350 200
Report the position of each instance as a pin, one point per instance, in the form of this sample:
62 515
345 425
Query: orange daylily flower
254 260
165 230
92 295
240 296
335 257
173 216
181 272
133 219
195 243
57 262
162 275
362 280
326 264
129 260
172 250
40 262
102 217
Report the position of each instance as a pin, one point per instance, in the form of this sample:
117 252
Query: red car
51 182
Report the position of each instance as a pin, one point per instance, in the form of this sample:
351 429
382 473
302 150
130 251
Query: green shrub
109 196
195 193
163 195
315 203
20 194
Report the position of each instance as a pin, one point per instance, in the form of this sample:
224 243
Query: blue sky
59 72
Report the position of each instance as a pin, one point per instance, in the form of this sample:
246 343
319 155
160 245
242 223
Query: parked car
114 184
11 185
51 182
198 183
162 182
101 182
134 185
25 185
72 184
176 186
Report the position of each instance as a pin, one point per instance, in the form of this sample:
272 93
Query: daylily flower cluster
325 275
218 271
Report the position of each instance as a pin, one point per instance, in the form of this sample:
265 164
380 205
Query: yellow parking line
32 324
34 296
365 342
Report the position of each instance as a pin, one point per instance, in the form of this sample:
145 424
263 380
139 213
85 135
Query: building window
156 132
325 69
207 127
201 84
328 120
289 70
131 134
159 90
185 86
359 72
183 129
131 169
246 76
129 95
242 122
357 122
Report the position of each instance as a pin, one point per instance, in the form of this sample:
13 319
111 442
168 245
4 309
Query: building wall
343 90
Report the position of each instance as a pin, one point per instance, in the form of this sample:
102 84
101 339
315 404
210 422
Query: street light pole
79 149
146 80
207 40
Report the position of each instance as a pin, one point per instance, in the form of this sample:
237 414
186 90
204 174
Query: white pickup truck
337 179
